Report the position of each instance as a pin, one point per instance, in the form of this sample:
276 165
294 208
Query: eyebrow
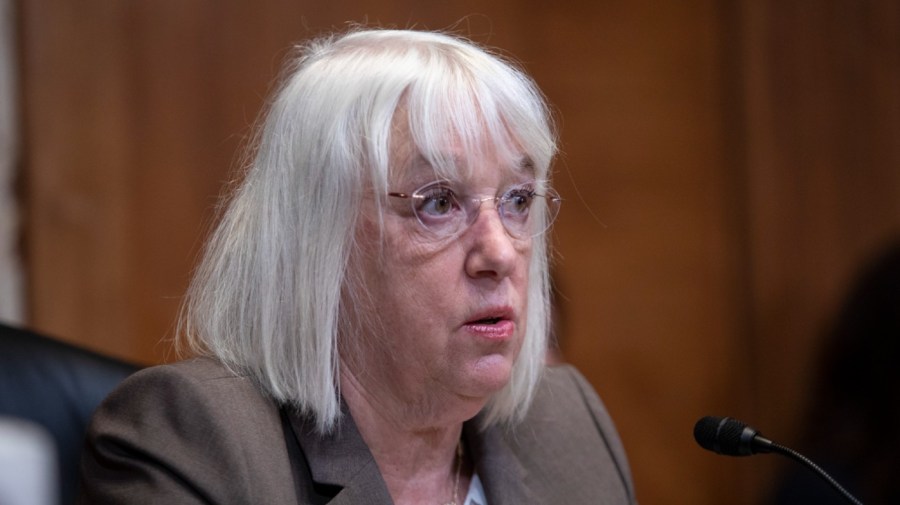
525 164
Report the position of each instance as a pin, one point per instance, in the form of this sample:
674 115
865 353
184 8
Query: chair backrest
57 386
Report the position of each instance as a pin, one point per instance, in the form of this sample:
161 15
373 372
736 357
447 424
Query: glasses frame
550 196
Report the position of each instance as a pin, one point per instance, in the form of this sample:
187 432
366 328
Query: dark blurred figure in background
851 428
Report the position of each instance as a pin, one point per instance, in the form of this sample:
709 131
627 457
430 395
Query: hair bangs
469 107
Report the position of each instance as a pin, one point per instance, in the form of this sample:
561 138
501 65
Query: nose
492 252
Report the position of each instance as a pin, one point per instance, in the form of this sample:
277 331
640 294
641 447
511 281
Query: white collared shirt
475 496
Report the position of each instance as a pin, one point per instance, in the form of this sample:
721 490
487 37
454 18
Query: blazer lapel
342 459
505 479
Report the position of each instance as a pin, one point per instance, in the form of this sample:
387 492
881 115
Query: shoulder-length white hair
266 297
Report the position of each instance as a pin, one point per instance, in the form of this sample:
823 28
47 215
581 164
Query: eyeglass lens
444 213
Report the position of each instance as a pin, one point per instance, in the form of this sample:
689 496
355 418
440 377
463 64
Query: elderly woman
370 316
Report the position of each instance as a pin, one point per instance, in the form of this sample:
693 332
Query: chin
490 374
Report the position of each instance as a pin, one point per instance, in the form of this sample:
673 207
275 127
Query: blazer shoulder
565 384
187 432
569 420
198 390
201 376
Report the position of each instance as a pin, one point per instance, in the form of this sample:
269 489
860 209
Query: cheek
414 287
406 276
417 261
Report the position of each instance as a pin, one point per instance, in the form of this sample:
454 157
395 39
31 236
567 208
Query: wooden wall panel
821 98
647 247
724 165
823 164
77 159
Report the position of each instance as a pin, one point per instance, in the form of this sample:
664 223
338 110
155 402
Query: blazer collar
505 478
343 459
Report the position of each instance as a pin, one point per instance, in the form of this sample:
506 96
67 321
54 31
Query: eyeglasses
444 214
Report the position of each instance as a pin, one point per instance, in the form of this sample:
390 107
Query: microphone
730 437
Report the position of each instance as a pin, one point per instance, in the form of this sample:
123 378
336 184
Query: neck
417 457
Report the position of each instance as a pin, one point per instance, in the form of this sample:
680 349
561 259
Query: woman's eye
436 202
518 200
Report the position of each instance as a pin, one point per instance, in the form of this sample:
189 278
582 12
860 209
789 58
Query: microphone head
724 435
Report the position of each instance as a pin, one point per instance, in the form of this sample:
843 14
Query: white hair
266 298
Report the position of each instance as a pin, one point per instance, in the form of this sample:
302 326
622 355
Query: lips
494 325
491 316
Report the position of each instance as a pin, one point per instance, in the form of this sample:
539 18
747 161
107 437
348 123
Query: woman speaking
368 323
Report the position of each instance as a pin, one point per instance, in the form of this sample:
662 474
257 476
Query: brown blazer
192 432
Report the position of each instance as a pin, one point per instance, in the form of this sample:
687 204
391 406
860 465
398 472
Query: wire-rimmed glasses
444 214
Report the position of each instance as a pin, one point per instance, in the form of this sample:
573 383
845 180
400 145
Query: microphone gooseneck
730 437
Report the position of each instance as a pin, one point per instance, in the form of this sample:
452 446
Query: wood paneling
725 167
822 106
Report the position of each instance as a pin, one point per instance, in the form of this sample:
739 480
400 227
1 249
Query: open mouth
487 320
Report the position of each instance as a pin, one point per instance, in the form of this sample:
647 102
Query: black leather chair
57 386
